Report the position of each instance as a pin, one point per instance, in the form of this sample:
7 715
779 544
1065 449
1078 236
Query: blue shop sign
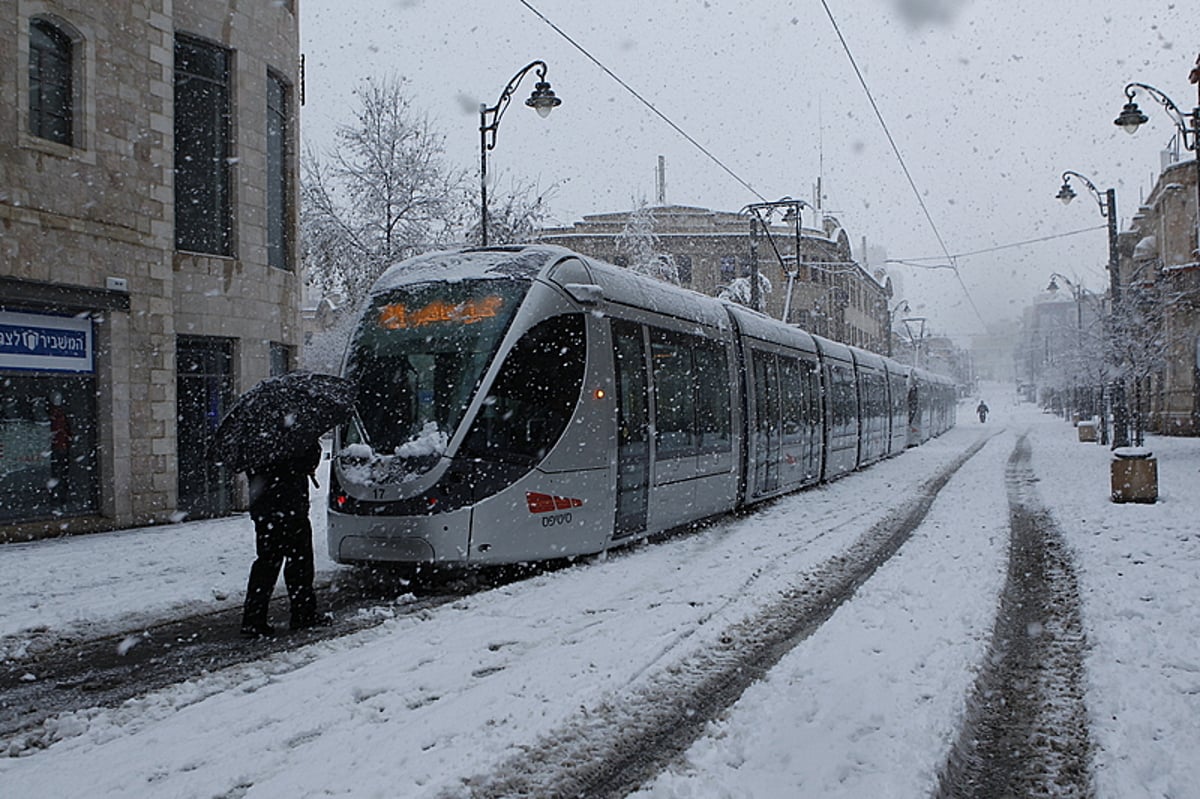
44 343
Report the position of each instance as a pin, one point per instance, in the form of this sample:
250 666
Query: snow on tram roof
451 266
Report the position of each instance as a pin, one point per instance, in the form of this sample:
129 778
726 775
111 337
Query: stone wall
77 216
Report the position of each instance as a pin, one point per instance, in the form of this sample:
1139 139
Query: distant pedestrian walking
982 410
283 538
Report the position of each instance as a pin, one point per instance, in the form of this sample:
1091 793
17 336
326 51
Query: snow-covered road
464 696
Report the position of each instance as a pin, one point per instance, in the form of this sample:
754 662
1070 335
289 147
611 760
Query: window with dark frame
684 265
51 86
278 194
281 359
691 395
203 218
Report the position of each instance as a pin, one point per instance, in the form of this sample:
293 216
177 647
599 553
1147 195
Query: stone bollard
1087 431
1134 475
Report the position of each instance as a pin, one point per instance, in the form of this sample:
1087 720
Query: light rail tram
530 403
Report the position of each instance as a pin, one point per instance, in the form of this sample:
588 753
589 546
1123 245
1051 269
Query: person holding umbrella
282 538
271 433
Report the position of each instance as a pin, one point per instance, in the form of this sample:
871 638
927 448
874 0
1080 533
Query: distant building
147 250
829 294
1061 354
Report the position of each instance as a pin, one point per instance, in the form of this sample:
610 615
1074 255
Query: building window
51 87
279 210
203 219
683 263
281 359
728 267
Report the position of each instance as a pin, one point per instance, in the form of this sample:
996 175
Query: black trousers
281 541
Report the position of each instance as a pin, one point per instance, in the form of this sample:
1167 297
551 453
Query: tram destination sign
45 343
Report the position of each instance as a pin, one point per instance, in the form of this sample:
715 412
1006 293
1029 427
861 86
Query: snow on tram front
478 412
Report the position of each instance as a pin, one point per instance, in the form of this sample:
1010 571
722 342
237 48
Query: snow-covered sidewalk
867 706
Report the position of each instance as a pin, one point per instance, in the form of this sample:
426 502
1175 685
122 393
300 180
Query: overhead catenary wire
691 140
745 184
900 158
1009 246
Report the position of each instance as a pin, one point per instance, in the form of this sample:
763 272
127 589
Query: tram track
611 750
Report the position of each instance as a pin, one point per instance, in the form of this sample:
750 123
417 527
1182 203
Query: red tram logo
545 503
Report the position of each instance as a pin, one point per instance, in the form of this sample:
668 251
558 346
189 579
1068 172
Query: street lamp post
1108 209
1131 118
542 100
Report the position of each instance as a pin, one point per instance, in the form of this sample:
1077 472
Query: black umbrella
281 417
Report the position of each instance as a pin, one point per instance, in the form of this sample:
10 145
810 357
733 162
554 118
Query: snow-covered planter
1134 475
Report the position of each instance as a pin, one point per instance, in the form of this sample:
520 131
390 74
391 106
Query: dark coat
280 489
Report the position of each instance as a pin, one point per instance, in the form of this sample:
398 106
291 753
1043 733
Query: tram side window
691 395
712 397
844 402
794 387
534 395
879 403
674 398
766 393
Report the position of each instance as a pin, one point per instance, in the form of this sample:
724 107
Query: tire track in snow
1026 729
610 750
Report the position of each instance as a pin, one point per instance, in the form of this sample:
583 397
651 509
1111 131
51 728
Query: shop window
204 393
48 447
203 137
51 83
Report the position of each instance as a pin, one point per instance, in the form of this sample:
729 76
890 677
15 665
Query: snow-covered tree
638 243
383 194
324 349
1143 341
738 289
515 216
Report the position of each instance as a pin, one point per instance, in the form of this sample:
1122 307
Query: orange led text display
399 316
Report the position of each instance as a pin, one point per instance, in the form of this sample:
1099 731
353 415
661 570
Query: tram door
633 428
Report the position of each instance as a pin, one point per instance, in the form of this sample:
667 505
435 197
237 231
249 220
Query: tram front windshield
417 357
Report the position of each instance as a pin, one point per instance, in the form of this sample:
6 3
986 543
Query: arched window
51 85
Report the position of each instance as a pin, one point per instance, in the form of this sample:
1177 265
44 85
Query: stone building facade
830 294
148 189
1160 279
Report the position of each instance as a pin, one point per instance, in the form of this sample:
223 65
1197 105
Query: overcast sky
988 101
